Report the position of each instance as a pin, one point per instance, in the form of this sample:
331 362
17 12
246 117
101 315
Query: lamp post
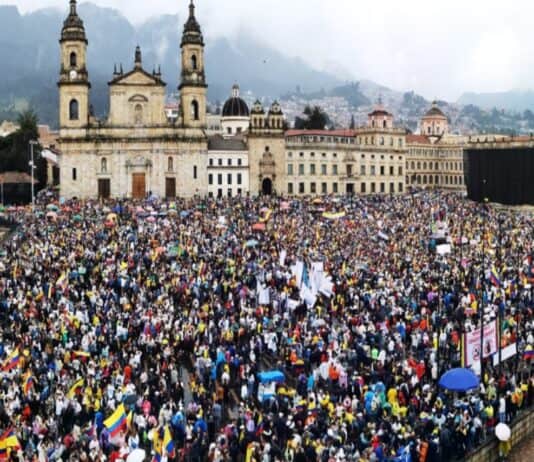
481 309
32 167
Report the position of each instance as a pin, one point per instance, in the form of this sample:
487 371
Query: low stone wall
522 429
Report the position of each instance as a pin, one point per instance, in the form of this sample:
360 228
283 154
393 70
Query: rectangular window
74 174
301 169
362 187
210 194
391 170
211 162
400 187
229 178
219 192
301 188
391 187
290 169
239 162
239 191
323 169
373 171
219 178
290 188
239 178
194 172
219 161
312 169
312 188
349 170
334 188
229 162
382 187
400 169
210 179
362 170
323 188
373 187
334 169
229 192
382 170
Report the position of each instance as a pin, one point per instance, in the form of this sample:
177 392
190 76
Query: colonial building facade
137 149
145 146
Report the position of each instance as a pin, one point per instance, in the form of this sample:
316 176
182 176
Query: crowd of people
145 325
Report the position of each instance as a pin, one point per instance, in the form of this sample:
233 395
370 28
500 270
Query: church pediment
137 77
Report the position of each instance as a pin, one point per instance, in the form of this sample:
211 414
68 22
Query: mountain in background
29 51
514 100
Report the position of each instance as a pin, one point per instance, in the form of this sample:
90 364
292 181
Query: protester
145 325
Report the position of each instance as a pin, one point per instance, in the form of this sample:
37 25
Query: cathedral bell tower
73 77
193 79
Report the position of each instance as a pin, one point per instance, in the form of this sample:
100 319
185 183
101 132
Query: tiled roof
218 143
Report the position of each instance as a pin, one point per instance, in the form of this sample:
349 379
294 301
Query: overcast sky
437 48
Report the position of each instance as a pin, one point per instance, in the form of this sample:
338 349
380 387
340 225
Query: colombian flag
116 421
529 352
8 442
12 361
157 445
168 443
28 383
494 277
75 389
80 354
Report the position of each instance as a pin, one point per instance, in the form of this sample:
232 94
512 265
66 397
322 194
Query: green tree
316 119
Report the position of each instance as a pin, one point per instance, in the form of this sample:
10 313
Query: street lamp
32 167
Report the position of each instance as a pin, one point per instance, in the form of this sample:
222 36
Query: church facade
136 150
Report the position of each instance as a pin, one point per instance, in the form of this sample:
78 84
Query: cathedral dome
235 106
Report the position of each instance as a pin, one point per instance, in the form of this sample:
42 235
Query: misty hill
29 51
514 100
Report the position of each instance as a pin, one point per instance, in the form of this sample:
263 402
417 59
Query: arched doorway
267 187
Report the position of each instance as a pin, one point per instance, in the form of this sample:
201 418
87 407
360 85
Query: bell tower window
104 165
73 59
74 110
194 62
194 110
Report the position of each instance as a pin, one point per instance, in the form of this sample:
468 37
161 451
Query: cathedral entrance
138 185
170 188
267 187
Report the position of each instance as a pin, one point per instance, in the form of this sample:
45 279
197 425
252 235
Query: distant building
228 167
435 159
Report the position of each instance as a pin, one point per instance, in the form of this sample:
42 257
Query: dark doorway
170 188
350 189
104 188
267 187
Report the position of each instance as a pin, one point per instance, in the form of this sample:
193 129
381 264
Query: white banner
506 352
472 343
443 249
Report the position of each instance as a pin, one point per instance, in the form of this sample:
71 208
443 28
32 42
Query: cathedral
138 150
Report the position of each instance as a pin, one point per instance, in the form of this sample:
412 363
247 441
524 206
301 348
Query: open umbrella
459 379
503 432
258 227
77 218
252 243
52 207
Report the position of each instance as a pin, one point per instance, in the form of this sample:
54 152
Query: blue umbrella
459 379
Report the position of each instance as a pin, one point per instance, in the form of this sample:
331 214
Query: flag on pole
75 389
494 277
116 421
27 383
12 361
8 442
168 443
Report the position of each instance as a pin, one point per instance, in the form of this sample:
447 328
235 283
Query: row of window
435 152
349 169
229 178
300 188
367 140
435 180
104 168
334 155
228 162
435 165
229 192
